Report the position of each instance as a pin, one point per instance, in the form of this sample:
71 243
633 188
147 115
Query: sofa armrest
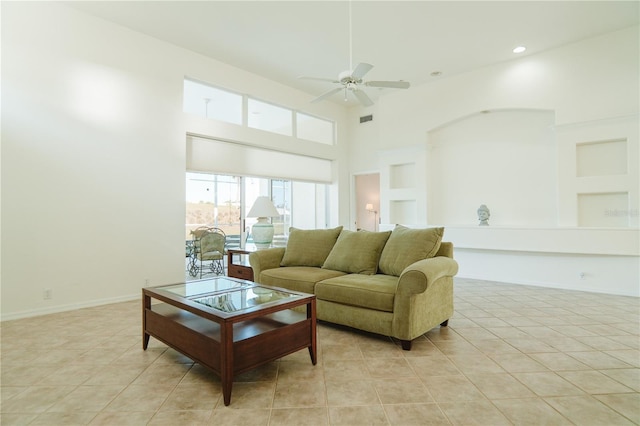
446 249
262 260
424 297
418 276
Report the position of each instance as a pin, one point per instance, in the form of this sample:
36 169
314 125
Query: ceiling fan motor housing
345 78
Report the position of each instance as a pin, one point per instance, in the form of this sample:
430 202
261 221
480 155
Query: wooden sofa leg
406 344
444 324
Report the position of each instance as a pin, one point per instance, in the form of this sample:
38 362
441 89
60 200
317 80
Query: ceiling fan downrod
350 40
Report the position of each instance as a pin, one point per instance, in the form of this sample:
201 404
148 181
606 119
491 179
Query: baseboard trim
546 284
69 307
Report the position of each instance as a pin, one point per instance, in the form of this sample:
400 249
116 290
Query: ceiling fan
352 80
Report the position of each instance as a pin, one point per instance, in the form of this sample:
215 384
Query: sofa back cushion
357 252
406 246
309 247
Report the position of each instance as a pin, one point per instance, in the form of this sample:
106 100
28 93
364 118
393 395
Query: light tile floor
511 355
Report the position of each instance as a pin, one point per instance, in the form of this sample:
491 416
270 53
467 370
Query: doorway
367 198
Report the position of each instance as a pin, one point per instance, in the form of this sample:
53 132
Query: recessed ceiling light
519 49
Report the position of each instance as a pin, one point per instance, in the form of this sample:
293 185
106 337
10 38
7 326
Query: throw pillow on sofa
406 246
309 247
357 252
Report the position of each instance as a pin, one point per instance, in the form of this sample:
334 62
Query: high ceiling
403 40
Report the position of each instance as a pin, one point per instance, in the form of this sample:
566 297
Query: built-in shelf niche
602 158
402 176
403 211
403 182
604 210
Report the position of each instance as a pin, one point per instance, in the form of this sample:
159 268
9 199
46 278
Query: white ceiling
403 40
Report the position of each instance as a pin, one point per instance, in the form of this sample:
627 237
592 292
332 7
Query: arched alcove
506 159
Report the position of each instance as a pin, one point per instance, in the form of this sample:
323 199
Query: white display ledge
625 242
600 241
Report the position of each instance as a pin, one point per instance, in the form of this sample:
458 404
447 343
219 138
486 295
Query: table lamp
262 230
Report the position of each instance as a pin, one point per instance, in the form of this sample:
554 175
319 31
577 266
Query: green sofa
396 283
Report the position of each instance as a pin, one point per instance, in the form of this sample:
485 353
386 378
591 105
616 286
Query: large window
314 128
210 102
268 117
207 101
281 197
223 201
213 200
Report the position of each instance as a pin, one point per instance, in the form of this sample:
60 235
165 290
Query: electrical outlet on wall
47 294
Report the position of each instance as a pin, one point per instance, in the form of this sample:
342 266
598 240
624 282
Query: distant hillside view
204 214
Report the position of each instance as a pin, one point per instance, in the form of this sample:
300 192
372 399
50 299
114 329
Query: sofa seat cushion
367 291
296 278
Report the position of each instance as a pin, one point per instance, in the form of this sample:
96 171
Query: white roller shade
236 159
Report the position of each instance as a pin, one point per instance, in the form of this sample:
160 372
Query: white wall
93 156
590 259
580 82
584 272
590 88
505 159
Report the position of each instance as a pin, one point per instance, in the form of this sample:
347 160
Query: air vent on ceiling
366 118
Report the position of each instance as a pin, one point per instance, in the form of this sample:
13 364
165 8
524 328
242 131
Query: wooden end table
229 325
238 264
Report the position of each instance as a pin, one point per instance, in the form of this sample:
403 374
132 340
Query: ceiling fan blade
330 80
392 84
326 94
363 98
360 70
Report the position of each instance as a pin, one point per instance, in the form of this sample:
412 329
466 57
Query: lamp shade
369 207
263 207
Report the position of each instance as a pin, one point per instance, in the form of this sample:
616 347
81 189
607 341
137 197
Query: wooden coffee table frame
229 343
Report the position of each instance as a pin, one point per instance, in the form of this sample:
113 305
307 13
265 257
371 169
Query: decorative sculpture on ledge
483 215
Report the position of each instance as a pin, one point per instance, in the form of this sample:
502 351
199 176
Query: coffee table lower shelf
253 342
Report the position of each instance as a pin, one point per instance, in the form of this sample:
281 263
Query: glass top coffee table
229 325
